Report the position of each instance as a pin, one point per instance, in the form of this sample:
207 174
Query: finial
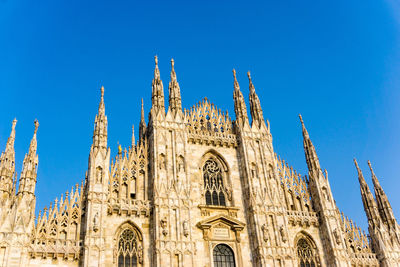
14 122
370 167
173 74
102 91
36 122
119 148
235 82
133 136
301 119
355 163
251 86
156 60
142 112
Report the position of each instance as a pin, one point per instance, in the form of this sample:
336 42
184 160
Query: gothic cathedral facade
194 189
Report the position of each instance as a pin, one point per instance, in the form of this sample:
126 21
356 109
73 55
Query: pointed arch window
215 191
127 249
223 256
306 254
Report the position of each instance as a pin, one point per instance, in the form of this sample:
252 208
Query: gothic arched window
306 254
215 191
127 249
223 256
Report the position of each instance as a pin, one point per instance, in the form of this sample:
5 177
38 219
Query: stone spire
240 105
100 125
175 102
157 95
255 106
384 207
27 181
142 125
133 136
7 163
368 200
309 150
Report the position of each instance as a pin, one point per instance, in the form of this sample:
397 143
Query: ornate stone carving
164 224
185 225
265 232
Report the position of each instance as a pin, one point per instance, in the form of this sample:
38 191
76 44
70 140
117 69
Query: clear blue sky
336 63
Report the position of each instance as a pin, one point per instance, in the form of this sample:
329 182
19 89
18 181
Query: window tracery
223 256
128 249
215 191
306 254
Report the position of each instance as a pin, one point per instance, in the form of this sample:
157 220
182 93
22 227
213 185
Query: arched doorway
223 256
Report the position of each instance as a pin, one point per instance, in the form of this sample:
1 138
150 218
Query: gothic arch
215 180
306 250
128 245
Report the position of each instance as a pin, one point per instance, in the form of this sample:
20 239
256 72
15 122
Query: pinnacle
173 74
36 122
301 119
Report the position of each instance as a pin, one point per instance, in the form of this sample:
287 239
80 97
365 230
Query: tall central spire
157 95
240 105
255 106
100 126
175 102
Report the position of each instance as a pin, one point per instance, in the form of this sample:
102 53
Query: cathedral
195 188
